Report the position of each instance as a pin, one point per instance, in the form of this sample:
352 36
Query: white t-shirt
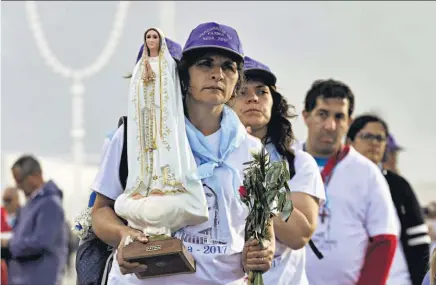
106 144
360 207
399 273
288 266
217 244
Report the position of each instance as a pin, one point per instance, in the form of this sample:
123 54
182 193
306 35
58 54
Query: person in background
368 134
73 244
357 228
11 203
5 255
430 217
265 111
390 161
9 212
39 244
5 227
430 277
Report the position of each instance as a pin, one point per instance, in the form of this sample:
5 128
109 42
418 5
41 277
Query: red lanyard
327 172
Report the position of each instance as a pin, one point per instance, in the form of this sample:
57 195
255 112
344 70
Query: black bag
93 261
94 257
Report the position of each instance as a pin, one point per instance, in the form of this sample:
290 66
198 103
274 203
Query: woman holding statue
210 73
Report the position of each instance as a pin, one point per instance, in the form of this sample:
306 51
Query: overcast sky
384 50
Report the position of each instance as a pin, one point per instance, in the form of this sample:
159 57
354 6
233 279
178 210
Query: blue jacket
39 245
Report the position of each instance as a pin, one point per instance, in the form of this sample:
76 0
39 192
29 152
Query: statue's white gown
160 196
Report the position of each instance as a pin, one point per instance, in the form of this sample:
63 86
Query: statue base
163 257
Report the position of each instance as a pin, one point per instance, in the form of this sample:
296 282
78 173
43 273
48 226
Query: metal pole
78 132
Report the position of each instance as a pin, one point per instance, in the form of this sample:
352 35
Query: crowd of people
356 219
36 240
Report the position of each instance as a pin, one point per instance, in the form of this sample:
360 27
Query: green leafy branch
264 191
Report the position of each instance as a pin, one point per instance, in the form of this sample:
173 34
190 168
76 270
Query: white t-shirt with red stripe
360 206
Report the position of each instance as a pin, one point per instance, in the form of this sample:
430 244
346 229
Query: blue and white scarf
233 133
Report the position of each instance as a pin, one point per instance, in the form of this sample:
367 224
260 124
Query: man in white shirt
357 228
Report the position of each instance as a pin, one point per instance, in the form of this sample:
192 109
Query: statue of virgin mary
161 194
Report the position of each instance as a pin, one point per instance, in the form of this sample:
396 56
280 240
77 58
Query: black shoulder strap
315 250
124 167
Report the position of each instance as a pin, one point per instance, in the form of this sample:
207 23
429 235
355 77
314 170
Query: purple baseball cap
174 48
214 35
392 144
256 68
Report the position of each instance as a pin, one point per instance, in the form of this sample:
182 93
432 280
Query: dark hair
360 122
188 59
145 40
329 88
279 130
28 165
